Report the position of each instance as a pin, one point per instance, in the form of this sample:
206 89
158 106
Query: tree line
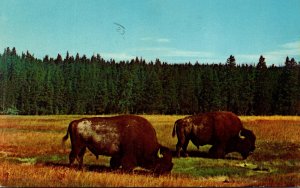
82 85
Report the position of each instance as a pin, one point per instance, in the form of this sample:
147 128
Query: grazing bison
129 140
223 130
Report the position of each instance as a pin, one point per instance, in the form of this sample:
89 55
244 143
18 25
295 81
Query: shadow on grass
103 168
194 153
206 155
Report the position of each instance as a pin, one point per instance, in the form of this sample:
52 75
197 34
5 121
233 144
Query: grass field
31 155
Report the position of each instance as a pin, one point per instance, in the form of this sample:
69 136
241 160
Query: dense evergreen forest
82 85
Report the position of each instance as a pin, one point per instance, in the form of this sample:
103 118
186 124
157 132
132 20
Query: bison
223 130
130 141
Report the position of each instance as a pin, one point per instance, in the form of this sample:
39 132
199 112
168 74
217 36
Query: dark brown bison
129 140
223 130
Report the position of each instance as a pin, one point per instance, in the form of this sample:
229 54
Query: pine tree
138 76
153 93
187 92
58 59
210 94
263 94
170 99
125 87
288 88
231 61
231 85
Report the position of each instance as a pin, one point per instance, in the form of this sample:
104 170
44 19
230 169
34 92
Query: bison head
164 164
244 143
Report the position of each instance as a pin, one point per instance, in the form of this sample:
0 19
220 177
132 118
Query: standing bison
223 130
129 140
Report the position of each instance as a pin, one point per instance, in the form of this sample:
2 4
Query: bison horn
240 135
159 154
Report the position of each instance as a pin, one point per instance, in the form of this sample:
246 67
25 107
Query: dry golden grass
31 155
40 175
274 128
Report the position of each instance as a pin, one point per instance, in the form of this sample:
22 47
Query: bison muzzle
223 130
130 141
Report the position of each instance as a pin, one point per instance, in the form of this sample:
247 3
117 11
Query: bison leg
128 162
178 148
72 157
115 162
182 145
184 148
76 153
80 157
217 151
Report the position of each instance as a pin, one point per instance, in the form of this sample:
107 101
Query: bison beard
130 141
223 130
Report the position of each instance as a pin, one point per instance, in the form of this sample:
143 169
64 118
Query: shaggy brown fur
130 141
222 130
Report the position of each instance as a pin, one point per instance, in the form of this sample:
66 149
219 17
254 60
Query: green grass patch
52 158
208 167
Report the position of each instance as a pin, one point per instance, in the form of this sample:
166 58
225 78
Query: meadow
31 155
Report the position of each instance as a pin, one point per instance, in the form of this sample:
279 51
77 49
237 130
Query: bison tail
174 129
65 138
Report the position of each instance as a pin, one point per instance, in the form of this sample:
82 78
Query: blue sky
175 31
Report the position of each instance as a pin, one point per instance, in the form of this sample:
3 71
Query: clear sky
175 31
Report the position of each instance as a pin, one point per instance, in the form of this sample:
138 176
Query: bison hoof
183 155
